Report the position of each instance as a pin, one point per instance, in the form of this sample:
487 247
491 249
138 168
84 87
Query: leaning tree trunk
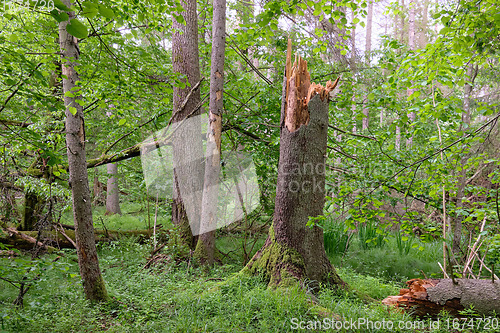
205 249
294 251
112 191
430 297
187 145
93 283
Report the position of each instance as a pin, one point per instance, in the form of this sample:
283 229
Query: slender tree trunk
32 211
411 45
293 251
368 49
369 23
457 220
353 41
205 249
245 13
93 283
113 192
366 111
423 26
398 136
399 28
187 145
402 27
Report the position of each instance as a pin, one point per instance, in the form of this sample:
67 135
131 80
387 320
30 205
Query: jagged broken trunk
430 297
294 251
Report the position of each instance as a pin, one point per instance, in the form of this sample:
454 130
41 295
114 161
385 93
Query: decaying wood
300 90
27 239
428 297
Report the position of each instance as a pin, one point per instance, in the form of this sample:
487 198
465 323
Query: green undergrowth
387 263
134 217
174 296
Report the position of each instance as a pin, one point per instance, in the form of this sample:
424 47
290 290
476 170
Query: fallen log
431 296
27 239
12 232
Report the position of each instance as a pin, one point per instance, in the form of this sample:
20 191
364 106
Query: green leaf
13 37
73 110
180 19
106 12
90 9
77 29
122 122
60 5
59 16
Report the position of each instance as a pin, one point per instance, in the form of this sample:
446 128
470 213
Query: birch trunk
205 249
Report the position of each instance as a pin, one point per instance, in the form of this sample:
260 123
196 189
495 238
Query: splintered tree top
300 90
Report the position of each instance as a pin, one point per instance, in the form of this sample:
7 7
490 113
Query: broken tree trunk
294 251
431 296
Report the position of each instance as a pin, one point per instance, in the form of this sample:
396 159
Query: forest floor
175 296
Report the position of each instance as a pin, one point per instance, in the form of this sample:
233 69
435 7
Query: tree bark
187 145
430 296
369 23
422 36
402 27
112 191
462 175
368 48
411 45
205 249
293 251
32 210
93 283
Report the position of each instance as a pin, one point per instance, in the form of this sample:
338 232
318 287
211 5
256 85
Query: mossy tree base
284 266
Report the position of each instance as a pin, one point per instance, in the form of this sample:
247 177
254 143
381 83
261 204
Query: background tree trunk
113 192
293 251
32 211
93 283
369 23
187 145
411 45
456 224
205 249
